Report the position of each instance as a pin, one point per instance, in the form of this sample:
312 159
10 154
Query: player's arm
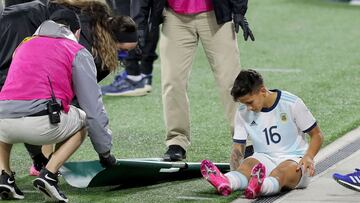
237 155
239 142
316 139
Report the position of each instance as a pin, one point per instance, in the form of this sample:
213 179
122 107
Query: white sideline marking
30 191
194 198
279 70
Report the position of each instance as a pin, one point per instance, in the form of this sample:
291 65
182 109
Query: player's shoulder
288 97
242 107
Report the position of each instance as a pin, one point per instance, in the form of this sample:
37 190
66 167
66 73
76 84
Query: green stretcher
131 172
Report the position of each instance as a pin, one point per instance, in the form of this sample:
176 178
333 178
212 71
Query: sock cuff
135 78
273 181
270 186
238 181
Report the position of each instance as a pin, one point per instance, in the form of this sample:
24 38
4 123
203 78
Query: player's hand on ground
107 160
308 165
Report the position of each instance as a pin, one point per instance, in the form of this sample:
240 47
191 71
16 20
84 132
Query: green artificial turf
307 47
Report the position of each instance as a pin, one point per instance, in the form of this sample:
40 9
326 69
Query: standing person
136 79
277 122
102 35
185 23
35 103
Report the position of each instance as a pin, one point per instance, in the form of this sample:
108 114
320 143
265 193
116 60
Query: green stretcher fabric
131 172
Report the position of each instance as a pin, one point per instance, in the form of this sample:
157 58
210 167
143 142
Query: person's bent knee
247 165
287 174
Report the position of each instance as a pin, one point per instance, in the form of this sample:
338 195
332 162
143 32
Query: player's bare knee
287 174
246 166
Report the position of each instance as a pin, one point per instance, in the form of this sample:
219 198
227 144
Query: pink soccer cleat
33 171
255 182
212 174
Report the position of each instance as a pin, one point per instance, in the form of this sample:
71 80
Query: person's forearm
237 155
315 144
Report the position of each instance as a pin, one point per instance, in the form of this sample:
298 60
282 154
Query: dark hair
103 25
248 81
66 17
123 29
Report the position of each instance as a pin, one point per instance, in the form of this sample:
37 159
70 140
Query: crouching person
46 72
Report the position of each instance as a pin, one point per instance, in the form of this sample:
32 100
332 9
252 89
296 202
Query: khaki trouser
179 39
37 130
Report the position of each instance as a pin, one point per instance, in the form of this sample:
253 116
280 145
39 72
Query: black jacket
20 21
151 10
16 23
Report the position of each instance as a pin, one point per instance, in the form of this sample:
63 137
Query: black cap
126 36
67 17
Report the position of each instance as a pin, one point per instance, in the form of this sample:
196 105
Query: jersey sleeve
303 117
240 133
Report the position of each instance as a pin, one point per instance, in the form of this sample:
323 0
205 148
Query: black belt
40 113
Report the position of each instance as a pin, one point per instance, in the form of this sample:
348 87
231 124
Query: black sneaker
47 183
175 153
8 188
148 81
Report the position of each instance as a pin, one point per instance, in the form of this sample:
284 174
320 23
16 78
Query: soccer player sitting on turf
277 122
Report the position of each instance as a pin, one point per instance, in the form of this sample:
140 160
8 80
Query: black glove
107 160
141 38
240 20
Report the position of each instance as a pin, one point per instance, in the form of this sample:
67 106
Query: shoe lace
118 78
356 173
209 171
257 175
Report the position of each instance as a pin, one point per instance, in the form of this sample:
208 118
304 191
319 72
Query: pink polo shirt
188 7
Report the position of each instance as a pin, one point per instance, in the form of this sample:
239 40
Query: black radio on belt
53 107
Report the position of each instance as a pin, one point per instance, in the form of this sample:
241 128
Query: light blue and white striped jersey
279 130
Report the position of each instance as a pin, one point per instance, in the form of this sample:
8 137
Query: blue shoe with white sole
351 180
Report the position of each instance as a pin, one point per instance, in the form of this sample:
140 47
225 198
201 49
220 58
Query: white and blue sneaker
123 86
351 180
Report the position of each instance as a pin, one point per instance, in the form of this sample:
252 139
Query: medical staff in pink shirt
46 72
